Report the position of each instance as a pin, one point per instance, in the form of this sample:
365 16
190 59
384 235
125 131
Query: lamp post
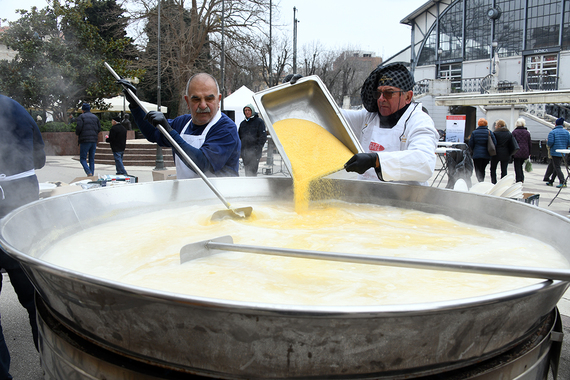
159 160
493 52
295 21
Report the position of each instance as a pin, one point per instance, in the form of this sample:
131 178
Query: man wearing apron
209 137
21 152
399 137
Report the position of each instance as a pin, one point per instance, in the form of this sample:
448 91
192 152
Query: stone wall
65 143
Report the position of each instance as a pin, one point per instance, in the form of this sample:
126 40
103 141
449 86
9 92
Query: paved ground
25 363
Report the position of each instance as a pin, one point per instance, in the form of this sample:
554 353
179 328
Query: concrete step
136 154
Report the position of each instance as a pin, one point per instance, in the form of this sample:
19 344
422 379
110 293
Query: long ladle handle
181 152
451 266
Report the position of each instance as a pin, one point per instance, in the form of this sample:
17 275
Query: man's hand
361 162
156 118
128 85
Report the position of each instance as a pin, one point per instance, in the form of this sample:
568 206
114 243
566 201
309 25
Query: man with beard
209 137
399 138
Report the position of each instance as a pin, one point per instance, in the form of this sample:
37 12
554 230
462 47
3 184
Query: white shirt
406 152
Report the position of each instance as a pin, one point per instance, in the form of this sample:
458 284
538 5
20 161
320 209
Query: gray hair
199 75
520 122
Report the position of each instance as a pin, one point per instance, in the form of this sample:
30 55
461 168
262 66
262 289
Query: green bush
57 126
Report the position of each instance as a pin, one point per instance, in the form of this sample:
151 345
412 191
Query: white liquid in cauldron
144 251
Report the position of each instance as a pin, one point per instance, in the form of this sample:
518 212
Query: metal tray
307 99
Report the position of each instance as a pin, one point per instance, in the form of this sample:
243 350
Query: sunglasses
387 94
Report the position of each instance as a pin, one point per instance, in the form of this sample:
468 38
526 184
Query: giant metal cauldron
229 339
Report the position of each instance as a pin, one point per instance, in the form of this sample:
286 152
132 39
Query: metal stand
564 153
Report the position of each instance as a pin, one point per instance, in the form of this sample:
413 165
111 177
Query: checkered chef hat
393 74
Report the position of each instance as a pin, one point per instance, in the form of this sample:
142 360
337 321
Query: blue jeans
85 148
118 156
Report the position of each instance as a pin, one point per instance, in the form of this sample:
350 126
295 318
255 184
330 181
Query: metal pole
223 57
270 43
295 40
159 161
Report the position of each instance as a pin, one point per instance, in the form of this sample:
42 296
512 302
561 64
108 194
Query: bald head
202 77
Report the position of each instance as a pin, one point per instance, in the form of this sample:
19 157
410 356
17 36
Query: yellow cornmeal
313 152
144 251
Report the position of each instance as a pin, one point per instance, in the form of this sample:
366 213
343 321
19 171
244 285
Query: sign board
455 128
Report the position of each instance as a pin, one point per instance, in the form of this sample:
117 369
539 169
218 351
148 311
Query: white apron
382 140
196 141
7 178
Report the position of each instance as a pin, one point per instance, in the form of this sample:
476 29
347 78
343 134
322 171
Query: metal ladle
237 213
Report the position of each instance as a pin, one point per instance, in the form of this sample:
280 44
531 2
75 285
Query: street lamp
159 159
493 52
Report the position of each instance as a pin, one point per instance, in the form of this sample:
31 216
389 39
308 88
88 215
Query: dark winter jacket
503 145
117 138
478 142
525 144
88 128
21 143
252 133
558 138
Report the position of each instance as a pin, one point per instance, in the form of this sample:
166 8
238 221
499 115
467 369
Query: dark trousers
250 162
17 193
519 171
480 165
504 165
118 156
84 150
556 163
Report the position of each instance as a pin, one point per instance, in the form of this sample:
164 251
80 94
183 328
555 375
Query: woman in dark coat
503 147
478 145
522 135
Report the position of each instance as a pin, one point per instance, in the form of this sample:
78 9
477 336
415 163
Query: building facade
493 46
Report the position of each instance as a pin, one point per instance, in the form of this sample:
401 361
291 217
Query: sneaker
549 184
561 185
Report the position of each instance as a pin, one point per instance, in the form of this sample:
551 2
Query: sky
370 25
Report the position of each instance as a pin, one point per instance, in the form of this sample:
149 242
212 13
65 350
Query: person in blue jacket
209 137
558 138
21 152
478 145
87 130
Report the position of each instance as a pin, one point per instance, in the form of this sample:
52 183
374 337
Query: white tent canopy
237 100
119 104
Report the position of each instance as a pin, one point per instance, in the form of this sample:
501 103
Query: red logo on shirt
375 147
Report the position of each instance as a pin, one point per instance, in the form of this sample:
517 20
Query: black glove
292 78
128 85
156 118
361 162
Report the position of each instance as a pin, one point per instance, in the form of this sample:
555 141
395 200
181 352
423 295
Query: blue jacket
558 138
220 152
21 143
88 128
478 142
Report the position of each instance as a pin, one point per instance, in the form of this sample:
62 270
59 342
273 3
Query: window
453 73
509 28
543 23
542 72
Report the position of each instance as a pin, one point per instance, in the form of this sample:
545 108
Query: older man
209 137
399 137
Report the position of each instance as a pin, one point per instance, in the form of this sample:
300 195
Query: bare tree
342 71
189 30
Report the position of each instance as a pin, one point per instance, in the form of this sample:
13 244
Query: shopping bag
528 165
513 146
491 145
